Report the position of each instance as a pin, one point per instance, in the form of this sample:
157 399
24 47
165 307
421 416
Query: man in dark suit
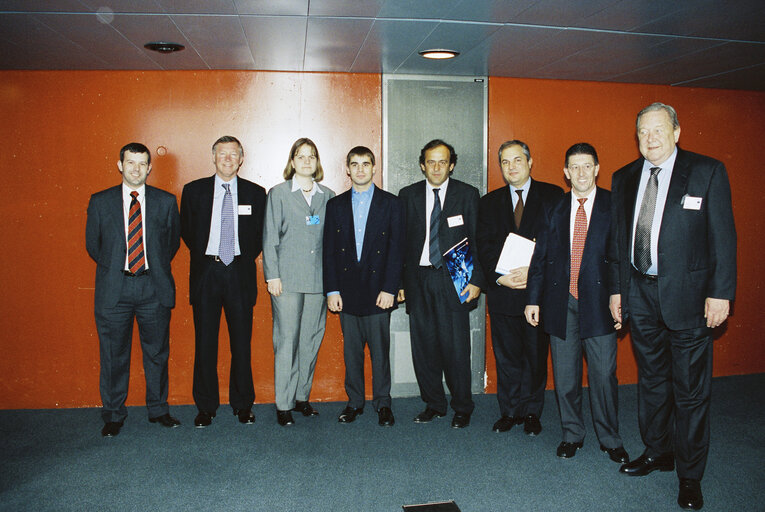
222 225
673 275
440 213
520 350
568 277
133 233
363 258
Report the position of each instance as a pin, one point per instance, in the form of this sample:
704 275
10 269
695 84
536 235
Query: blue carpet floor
57 460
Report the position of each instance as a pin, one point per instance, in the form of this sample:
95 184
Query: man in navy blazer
673 276
223 278
568 278
520 350
136 284
363 258
439 322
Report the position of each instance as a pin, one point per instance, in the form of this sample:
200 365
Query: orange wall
62 132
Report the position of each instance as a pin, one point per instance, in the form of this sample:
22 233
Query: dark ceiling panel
390 43
419 10
489 11
362 8
198 6
276 42
219 40
332 44
272 7
732 79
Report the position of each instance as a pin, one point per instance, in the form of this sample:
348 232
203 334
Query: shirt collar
219 183
127 190
368 192
314 187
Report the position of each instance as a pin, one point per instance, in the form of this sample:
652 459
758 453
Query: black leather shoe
246 416
567 450
689 497
531 425
165 420
427 415
284 418
385 417
505 423
644 465
349 414
305 408
203 419
460 420
111 428
616 454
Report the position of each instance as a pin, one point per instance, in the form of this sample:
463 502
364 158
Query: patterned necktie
435 215
577 247
226 248
642 249
136 258
518 213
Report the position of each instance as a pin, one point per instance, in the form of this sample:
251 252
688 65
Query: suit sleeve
271 239
93 231
174 225
535 281
477 279
488 239
260 211
329 249
395 260
722 236
187 222
613 248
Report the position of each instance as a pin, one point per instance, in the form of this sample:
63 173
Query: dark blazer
196 214
461 199
106 244
495 222
382 254
697 248
550 270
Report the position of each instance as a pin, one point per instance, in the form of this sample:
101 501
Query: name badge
312 220
455 221
691 202
245 209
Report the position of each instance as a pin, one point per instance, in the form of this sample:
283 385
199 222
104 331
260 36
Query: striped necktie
642 250
136 257
226 248
435 216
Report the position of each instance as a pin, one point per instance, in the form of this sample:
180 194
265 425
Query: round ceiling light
164 47
439 54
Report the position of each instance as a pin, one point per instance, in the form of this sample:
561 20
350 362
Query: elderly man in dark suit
222 225
133 233
440 213
522 207
568 278
363 258
673 276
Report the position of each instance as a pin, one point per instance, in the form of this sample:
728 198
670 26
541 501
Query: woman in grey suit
292 264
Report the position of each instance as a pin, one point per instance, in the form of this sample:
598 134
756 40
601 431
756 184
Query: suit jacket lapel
297 198
599 223
371 222
631 183
677 189
532 208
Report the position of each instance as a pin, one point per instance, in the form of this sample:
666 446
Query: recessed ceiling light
439 53
164 47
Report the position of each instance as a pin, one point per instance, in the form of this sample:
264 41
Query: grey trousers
299 322
601 375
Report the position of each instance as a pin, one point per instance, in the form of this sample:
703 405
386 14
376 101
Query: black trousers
373 331
520 352
440 343
674 382
221 291
137 302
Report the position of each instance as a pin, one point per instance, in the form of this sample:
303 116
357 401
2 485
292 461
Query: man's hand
516 279
716 311
401 295
335 303
532 315
615 306
384 300
472 291
275 287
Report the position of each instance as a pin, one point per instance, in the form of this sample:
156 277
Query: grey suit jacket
292 249
105 242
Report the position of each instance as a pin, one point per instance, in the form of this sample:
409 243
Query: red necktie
136 259
580 235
